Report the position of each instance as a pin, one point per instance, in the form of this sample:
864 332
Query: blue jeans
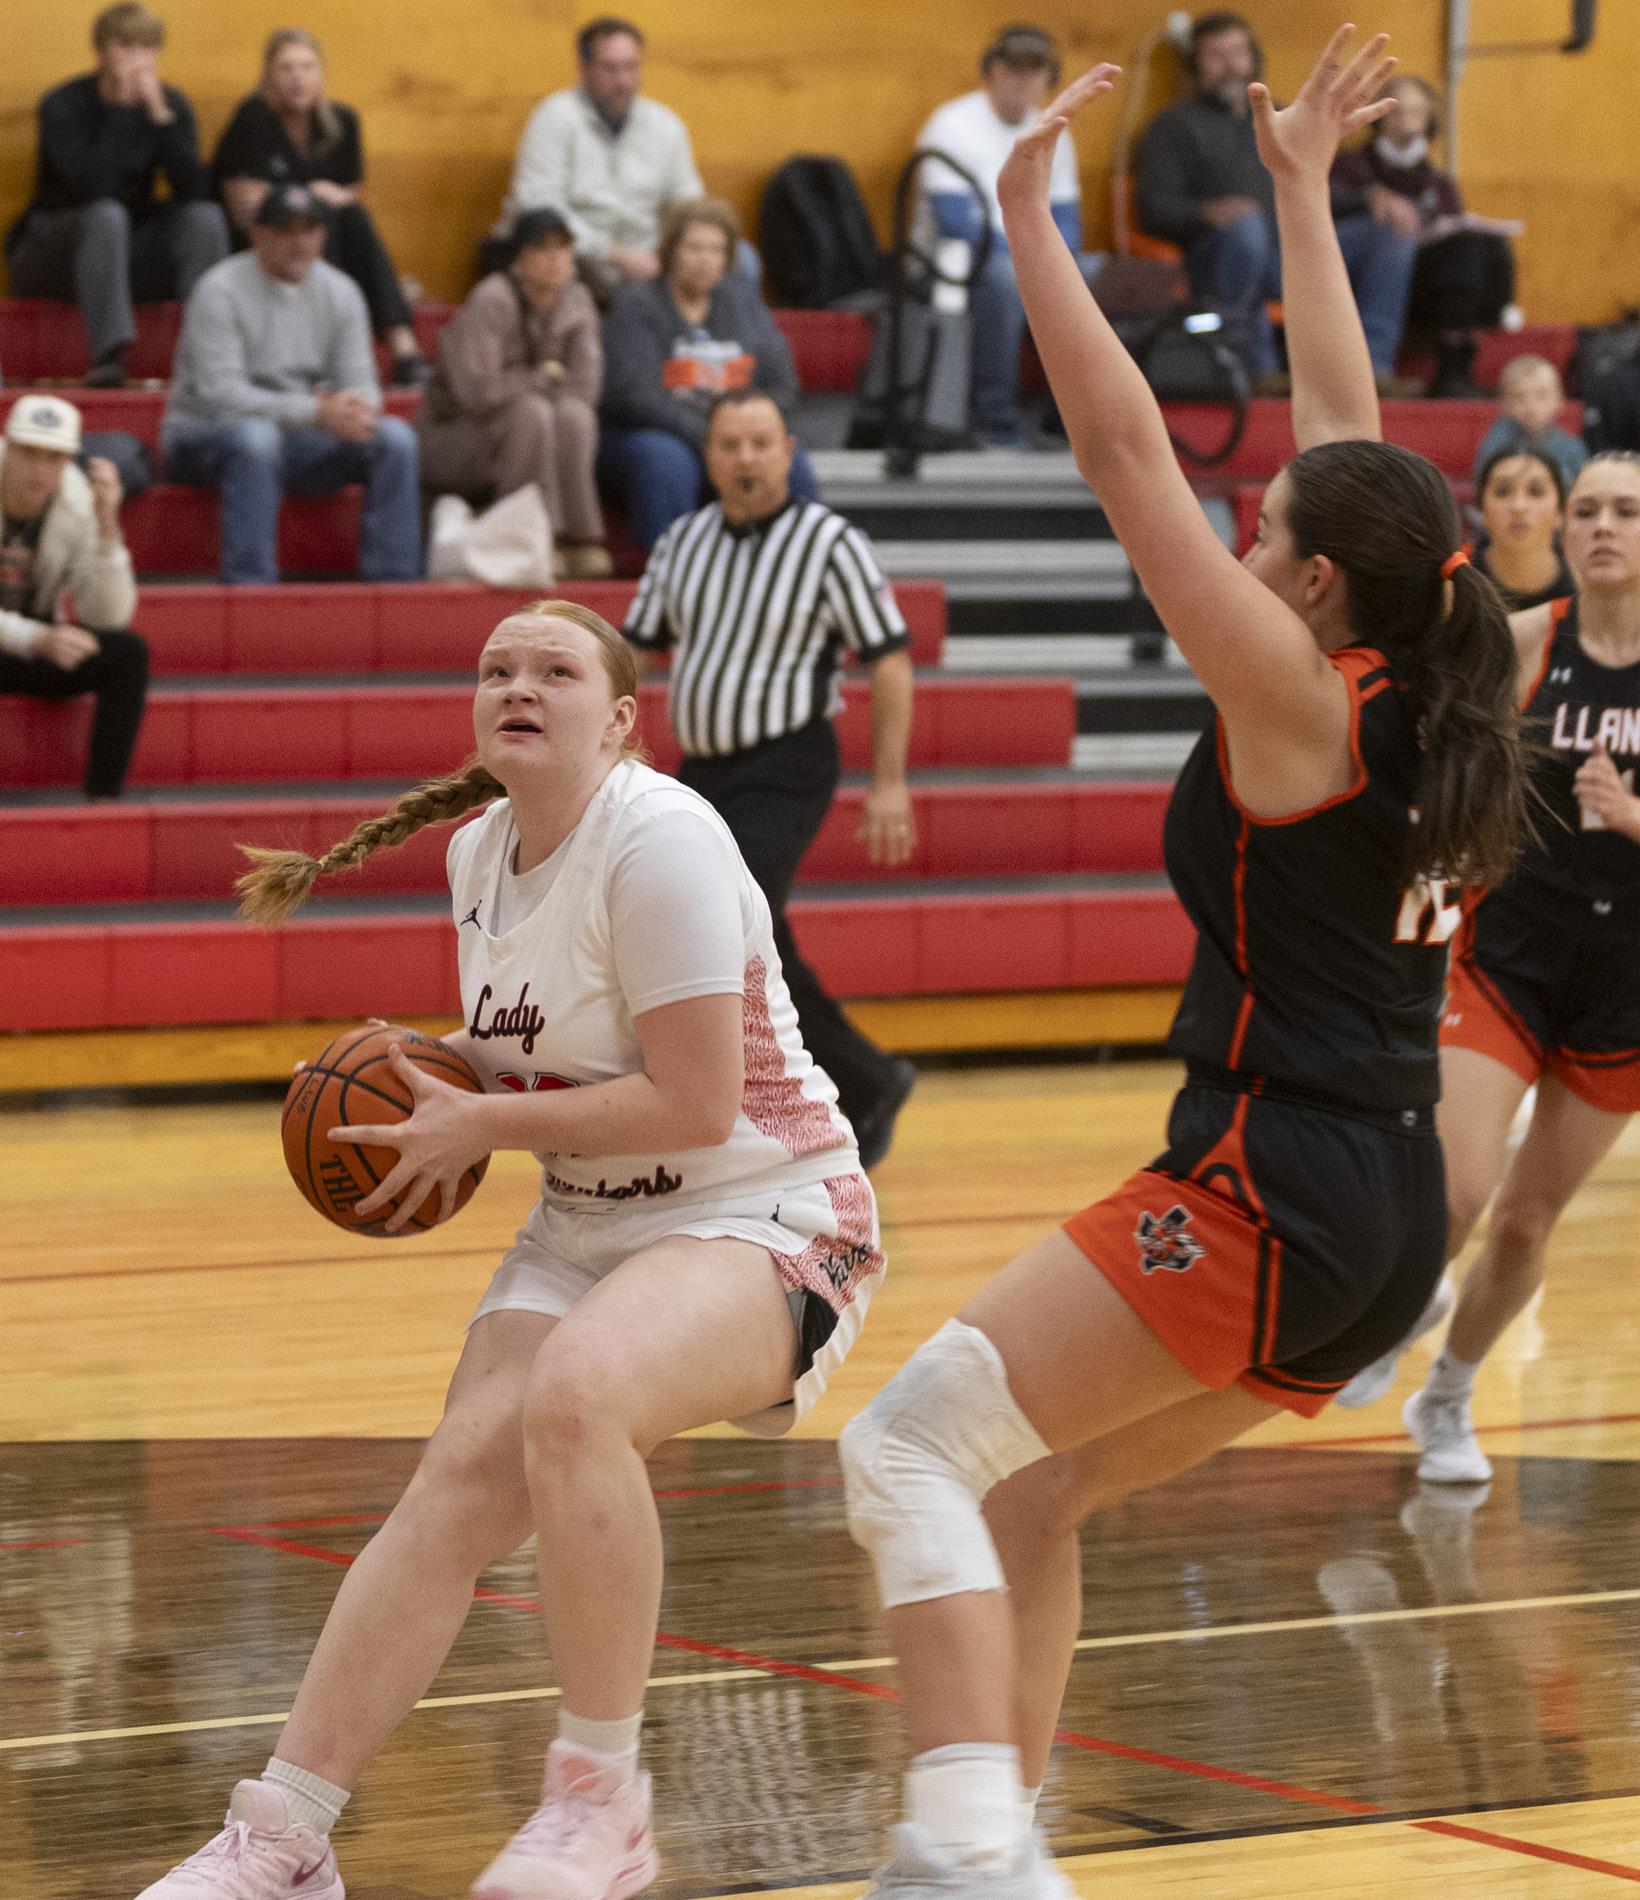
656 476
1238 267
1380 263
253 462
997 329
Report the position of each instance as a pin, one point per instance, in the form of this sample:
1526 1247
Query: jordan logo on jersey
522 1019
1167 1242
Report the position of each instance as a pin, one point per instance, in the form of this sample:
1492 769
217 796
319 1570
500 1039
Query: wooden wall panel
445 91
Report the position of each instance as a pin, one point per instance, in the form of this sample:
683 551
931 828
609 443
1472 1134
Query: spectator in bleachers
1465 274
291 132
608 158
60 539
95 231
758 595
671 346
1020 68
274 389
1521 499
514 396
1201 185
1532 395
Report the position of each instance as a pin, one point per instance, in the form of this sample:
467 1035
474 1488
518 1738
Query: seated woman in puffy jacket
514 396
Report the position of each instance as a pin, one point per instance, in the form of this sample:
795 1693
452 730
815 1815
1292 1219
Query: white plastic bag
509 545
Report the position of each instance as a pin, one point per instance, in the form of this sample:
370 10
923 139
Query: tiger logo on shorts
1167 1242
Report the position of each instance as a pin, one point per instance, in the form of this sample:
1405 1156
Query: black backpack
815 236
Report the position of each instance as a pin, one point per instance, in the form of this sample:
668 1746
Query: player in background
1546 972
704 1248
1367 736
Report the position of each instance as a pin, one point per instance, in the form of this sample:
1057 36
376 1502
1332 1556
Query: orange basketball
352 1083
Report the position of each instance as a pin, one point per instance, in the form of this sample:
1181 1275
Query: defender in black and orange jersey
1546 979
1367 738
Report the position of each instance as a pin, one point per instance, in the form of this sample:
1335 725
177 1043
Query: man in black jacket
1201 185
95 231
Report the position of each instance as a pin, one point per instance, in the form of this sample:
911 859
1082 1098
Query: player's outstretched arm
1334 395
1254 655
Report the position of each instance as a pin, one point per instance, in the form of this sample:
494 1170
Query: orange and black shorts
1551 987
1276 1244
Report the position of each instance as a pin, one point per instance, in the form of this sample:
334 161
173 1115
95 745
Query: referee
758 593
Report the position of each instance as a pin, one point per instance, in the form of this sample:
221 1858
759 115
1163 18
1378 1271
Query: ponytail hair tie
1449 567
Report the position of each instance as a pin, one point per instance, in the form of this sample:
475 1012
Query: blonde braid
280 880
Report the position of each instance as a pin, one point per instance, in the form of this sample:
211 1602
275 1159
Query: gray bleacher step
999 567
1131 755
1046 653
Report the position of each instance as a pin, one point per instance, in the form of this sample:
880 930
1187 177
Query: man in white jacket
60 542
607 158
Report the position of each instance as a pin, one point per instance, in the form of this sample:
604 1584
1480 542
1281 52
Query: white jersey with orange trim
647 902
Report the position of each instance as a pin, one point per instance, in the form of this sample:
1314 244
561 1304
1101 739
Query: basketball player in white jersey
704 1248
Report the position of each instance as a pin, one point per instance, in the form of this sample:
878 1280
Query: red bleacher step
1448 433
110 976
188 850
406 732
43 341
409 627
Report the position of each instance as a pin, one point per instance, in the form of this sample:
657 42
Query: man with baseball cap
60 537
274 388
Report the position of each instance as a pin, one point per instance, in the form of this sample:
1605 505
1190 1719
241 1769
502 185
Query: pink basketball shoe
590 1839
257 1856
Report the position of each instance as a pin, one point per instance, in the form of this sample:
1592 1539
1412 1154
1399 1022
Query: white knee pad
919 1460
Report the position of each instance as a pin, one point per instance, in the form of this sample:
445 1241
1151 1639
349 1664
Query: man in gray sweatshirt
274 388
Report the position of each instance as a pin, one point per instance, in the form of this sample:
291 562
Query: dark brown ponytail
1386 518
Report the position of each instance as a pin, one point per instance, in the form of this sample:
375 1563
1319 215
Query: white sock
1451 1377
310 1800
1028 1801
968 1799
612 1745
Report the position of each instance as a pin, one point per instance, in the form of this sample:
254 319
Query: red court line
431 1253
1531 1425
1126 1751
379 1517
226 1266
1560 1855
43 1543
1206 1771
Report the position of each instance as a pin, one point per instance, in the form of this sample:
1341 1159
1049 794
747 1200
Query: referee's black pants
117 673
774 798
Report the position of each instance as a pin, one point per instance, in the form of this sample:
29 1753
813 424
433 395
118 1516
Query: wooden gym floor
1300 1671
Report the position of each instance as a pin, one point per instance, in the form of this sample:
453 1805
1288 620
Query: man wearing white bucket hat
59 540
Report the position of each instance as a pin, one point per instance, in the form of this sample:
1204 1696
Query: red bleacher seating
43 341
1449 433
73 976
414 627
185 850
274 734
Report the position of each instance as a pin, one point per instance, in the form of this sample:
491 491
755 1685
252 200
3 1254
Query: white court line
1587 1600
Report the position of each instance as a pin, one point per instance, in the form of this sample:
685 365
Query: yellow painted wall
445 86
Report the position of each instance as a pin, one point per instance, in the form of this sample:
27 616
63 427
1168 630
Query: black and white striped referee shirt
757 616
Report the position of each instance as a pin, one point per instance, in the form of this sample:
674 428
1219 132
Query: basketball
351 1082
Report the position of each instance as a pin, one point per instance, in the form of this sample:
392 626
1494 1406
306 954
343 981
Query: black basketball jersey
1577 704
1316 969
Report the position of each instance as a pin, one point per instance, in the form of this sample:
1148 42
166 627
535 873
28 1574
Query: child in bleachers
1531 393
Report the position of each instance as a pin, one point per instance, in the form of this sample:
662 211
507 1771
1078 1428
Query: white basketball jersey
544 1008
